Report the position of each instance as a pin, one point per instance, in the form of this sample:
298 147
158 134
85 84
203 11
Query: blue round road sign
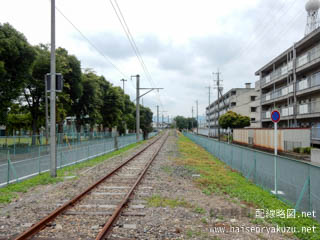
275 116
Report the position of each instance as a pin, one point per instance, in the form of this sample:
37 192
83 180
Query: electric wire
265 31
108 59
133 44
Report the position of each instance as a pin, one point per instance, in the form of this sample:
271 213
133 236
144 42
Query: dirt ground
167 205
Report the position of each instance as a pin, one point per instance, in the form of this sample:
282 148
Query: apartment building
244 101
290 83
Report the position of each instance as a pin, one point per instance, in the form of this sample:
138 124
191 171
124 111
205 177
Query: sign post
275 117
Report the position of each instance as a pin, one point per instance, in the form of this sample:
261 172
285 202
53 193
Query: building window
253 98
253 119
253 109
233 104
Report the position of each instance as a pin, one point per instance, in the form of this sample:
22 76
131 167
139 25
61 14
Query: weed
217 177
199 210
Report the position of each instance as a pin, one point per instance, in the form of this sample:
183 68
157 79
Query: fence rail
13 171
297 182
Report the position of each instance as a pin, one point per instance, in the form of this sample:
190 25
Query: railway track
93 213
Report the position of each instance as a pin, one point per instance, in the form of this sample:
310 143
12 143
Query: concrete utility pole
197 118
53 156
192 119
138 96
138 107
157 117
123 80
162 121
209 88
218 88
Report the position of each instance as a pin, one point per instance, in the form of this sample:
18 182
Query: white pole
275 156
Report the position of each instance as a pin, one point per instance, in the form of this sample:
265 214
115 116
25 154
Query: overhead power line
108 59
133 44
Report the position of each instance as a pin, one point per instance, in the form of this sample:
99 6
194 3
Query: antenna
312 7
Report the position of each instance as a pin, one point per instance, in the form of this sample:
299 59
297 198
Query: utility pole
158 117
197 119
192 119
138 107
53 157
219 92
138 96
168 119
162 121
123 80
209 88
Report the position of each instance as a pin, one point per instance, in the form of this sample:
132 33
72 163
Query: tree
233 120
70 68
34 90
185 123
181 123
128 113
87 109
146 117
112 104
18 118
16 58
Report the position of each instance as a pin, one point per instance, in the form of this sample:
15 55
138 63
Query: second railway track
93 213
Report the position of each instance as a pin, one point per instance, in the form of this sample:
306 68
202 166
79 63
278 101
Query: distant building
244 101
290 83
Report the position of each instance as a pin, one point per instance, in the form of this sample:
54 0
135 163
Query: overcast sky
181 42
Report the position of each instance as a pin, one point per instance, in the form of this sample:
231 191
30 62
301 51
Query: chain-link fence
12 171
297 182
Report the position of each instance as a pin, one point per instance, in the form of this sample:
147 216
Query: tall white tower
312 8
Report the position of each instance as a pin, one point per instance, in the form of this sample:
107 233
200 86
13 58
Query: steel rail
108 226
44 221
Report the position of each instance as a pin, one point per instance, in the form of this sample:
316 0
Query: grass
199 210
217 177
167 169
10 192
159 201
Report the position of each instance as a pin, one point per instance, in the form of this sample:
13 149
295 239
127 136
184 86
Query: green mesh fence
15 169
297 182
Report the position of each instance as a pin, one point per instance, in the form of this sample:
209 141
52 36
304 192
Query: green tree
181 123
18 119
185 123
128 113
69 66
34 91
87 109
233 120
16 58
146 121
112 104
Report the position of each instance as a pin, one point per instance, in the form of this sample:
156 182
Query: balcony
309 82
308 56
276 74
315 133
284 112
283 91
308 108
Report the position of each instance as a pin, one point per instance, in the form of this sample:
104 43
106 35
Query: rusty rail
43 222
108 226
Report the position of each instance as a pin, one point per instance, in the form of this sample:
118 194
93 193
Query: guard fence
13 171
297 182
23 147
